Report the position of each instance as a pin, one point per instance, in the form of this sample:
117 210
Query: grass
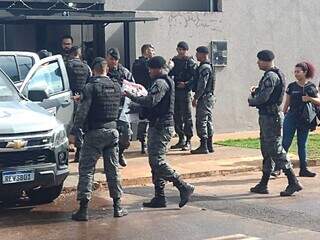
313 145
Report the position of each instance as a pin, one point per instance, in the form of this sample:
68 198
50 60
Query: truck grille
13 159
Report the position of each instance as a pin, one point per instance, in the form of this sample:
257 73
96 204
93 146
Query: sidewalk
225 160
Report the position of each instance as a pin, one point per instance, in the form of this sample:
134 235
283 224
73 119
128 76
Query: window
24 65
47 77
7 90
9 66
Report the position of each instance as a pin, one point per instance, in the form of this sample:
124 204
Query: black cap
157 62
203 49
265 55
183 45
97 62
44 53
114 52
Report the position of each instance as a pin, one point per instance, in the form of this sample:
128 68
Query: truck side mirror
37 95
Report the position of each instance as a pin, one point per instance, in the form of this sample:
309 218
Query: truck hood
24 117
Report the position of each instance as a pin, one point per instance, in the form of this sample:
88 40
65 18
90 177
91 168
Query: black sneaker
306 173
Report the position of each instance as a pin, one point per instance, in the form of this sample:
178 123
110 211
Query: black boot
185 189
159 200
118 211
82 213
262 186
187 145
210 144
77 155
203 148
294 185
180 144
122 160
143 147
304 172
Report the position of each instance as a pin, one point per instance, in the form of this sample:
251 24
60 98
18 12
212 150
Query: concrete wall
288 27
157 5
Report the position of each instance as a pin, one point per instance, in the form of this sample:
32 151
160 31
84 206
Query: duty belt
107 125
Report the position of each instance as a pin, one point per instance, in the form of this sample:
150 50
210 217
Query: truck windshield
7 90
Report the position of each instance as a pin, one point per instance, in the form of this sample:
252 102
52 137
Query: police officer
183 72
158 109
78 73
140 72
203 101
98 109
267 97
66 45
120 73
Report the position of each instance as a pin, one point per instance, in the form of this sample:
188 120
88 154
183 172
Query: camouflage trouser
78 133
204 120
96 143
142 131
158 140
182 113
124 134
271 142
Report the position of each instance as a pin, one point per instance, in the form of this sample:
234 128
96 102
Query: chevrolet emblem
17 144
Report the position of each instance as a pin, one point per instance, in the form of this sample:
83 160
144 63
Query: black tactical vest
140 72
78 73
181 70
105 101
276 97
211 81
164 110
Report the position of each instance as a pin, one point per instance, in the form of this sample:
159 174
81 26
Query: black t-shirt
296 92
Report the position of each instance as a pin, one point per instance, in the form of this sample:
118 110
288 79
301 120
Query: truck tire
45 195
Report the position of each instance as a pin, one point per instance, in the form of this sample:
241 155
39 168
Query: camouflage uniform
159 105
101 137
270 122
183 71
204 94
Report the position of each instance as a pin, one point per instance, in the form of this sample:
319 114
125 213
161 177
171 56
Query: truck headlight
60 136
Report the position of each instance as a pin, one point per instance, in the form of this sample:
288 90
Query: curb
147 180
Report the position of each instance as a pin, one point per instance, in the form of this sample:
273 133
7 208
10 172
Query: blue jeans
291 125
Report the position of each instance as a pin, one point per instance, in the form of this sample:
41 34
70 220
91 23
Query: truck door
50 75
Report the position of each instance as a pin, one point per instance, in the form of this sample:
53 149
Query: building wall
288 27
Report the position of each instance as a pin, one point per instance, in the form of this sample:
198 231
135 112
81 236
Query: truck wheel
45 195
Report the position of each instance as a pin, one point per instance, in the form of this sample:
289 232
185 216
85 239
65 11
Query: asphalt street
222 208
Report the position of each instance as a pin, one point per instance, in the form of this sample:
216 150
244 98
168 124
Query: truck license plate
17 177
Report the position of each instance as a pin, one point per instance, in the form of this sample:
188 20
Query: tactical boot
203 148
143 147
180 144
82 213
156 202
306 173
187 145
118 211
262 186
294 185
185 189
122 160
159 201
210 144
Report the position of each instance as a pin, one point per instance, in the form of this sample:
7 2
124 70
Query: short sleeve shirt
295 91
